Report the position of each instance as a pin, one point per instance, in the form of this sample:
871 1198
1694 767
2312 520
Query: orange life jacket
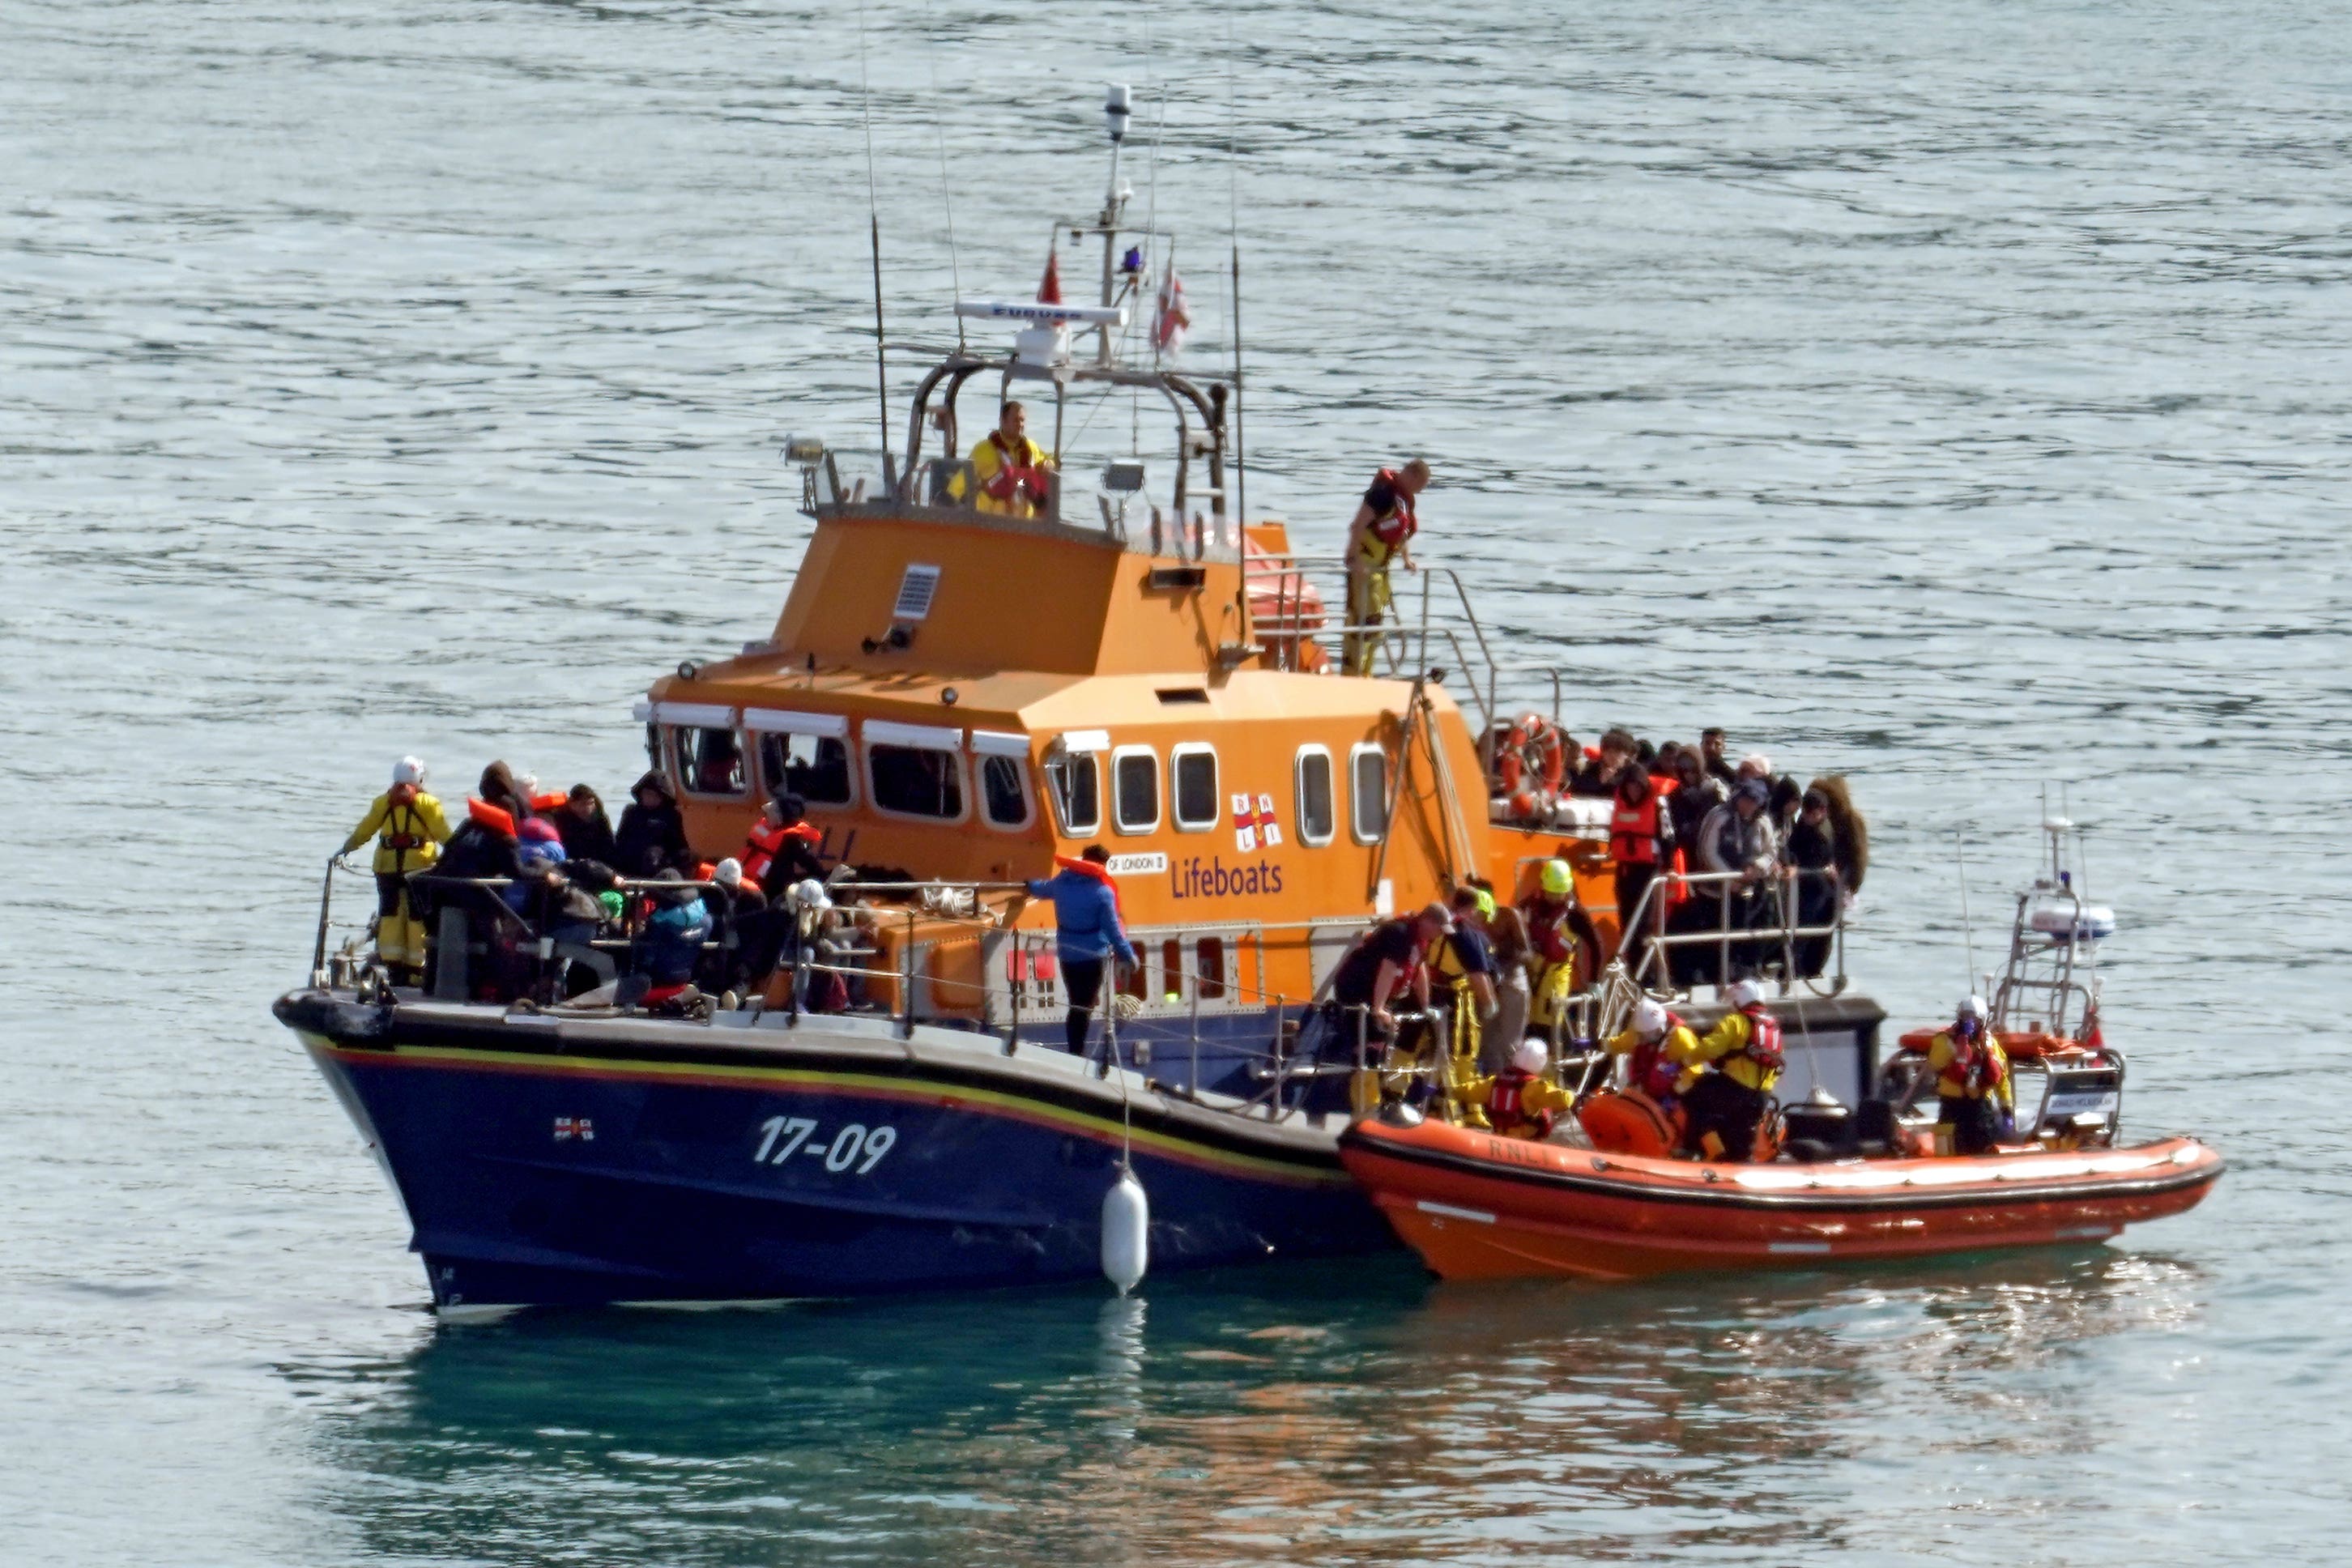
1100 873
1633 832
500 822
1400 524
766 841
1505 1107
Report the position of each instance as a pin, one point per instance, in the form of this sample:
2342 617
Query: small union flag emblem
570 1127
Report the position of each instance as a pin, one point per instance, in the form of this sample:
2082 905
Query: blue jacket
1087 918
672 940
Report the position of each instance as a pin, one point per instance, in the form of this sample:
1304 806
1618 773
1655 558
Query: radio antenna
1234 229
1967 930
873 231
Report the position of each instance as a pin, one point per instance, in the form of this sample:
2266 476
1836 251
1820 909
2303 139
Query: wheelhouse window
915 780
1076 781
1001 769
814 767
1318 816
1367 793
709 761
1193 785
1135 788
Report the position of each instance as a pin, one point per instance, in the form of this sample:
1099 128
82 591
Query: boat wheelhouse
960 691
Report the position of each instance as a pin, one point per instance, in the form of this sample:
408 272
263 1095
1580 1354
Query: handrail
1725 934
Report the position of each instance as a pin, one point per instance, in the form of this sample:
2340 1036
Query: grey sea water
1953 395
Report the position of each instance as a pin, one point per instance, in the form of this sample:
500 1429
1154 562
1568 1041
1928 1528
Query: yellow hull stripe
1018 1107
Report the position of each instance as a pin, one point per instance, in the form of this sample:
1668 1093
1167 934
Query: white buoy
1126 1232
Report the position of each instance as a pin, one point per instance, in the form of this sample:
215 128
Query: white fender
1126 1232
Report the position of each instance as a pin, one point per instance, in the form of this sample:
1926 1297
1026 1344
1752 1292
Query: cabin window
709 762
1318 818
1171 973
1005 791
1193 785
1076 781
1208 969
814 767
1135 789
1367 793
916 781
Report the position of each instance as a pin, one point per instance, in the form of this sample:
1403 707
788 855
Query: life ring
1533 748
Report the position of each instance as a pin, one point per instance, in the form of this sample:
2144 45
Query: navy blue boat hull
679 1162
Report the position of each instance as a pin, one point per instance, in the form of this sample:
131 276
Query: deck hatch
916 591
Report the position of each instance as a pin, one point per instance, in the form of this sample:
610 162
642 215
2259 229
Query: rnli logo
1254 826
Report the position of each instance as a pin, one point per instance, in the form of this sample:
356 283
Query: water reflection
1260 1417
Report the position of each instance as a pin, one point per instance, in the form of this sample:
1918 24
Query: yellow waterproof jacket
412 834
1537 1096
988 466
1725 1045
1952 1073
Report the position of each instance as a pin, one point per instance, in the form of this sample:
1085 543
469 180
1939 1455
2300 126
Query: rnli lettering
1212 878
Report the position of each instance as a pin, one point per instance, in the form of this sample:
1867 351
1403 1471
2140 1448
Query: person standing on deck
1641 842
1010 469
1726 1104
1379 536
1087 934
1971 1078
412 829
1563 941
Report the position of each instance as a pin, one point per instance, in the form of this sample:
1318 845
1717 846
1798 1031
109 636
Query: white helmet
1746 993
809 894
528 784
1650 1016
727 873
408 771
1531 1057
1973 1007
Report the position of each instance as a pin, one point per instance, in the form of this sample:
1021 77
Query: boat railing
1292 594
1109 504
1745 938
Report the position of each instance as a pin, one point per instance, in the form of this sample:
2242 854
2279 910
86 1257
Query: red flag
1167 332
1049 291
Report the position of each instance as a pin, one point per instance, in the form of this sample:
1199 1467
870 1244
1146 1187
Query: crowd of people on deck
564 901
1762 853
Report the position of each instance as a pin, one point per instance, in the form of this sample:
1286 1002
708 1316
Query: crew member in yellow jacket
412 831
1009 469
1971 1080
1726 1081
1518 1102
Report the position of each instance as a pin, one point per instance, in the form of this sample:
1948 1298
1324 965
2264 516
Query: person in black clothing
1384 965
757 926
586 831
1786 797
1717 765
1696 792
1813 850
652 836
1596 777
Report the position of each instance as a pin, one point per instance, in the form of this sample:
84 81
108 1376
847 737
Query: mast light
1117 107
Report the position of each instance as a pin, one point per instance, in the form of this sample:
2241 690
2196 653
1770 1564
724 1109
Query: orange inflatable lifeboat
1479 1206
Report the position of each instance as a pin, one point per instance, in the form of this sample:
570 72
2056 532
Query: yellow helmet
1486 903
1555 879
